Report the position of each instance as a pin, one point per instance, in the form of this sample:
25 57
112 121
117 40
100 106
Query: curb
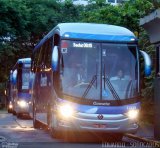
3 112
144 140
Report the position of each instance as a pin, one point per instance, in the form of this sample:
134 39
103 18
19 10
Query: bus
98 102
21 83
8 94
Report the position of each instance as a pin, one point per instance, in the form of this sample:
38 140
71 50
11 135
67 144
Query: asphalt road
20 133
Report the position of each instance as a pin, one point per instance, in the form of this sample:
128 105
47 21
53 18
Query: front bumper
111 123
22 110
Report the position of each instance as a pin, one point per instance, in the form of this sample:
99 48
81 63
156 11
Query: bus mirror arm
147 63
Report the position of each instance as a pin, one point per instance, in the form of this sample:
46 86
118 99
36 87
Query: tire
14 113
35 123
9 111
53 132
19 115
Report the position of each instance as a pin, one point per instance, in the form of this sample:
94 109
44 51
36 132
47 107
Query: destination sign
83 45
27 65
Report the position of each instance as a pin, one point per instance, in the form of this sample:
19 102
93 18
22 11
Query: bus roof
20 61
91 31
24 60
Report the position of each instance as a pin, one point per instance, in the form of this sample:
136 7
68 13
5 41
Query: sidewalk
3 111
146 131
145 134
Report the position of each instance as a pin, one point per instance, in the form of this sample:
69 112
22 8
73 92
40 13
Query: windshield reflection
98 71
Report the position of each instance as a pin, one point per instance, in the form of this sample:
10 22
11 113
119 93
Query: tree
24 22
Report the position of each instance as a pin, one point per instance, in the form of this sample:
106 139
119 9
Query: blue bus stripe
93 109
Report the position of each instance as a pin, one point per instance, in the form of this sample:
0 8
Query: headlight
30 102
133 114
22 103
10 106
66 110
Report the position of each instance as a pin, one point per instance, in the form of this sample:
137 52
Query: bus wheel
53 132
35 122
14 113
10 110
19 115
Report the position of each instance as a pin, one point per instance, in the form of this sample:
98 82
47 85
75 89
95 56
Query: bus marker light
132 39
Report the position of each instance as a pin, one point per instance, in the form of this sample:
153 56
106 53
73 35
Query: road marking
20 124
7 126
143 140
2 139
9 145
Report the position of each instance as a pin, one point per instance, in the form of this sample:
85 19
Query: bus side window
45 88
43 80
48 52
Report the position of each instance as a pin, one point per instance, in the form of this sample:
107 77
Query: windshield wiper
94 78
110 86
89 86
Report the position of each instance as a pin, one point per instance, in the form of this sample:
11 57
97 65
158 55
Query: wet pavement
15 132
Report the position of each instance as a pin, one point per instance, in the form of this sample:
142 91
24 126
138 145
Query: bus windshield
99 71
25 78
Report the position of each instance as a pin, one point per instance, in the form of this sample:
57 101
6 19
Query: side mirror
14 77
55 58
147 63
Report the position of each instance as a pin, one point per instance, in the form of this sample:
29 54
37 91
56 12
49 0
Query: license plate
99 125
